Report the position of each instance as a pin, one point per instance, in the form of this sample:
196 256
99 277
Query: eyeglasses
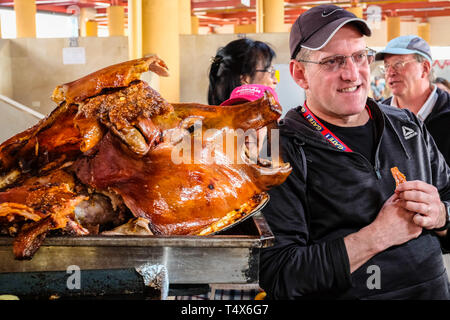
334 63
398 66
271 70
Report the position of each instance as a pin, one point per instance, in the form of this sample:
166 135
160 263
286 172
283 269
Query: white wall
440 31
13 121
5 69
37 66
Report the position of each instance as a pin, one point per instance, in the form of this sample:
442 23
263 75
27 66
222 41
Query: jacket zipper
368 164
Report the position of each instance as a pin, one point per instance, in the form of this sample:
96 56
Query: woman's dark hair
443 81
237 58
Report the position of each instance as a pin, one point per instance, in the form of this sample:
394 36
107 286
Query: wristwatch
447 221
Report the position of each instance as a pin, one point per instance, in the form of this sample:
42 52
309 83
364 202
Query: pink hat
248 92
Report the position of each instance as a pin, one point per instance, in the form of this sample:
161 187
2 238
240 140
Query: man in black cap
407 68
343 229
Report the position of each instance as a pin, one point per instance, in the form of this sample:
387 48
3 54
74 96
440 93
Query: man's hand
393 226
423 199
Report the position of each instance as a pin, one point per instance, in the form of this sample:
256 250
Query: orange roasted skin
116 76
112 136
398 176
48 205
39 189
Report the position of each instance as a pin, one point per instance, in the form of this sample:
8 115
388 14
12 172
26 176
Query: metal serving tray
228 257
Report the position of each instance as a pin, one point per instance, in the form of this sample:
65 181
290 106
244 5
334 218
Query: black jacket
438 122
330 194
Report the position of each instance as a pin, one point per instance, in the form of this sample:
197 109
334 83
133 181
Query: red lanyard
335 141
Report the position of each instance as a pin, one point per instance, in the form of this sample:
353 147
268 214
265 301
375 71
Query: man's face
336 96
403 74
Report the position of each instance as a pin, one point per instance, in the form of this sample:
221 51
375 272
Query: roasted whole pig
114 151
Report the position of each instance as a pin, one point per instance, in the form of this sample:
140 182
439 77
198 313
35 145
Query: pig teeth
348 89
266 163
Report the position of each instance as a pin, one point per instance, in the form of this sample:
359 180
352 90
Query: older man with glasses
343 227
408 73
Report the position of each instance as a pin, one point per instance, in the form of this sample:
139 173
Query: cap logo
326 14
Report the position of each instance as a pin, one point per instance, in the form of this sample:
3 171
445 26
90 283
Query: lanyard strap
331 138
335 141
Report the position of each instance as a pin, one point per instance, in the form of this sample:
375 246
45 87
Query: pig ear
297 70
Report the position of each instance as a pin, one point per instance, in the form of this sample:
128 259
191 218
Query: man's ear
426 68
297 71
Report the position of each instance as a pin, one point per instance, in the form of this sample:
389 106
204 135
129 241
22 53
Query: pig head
197 170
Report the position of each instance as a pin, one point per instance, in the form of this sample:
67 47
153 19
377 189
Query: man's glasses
397 67
334 63
271 70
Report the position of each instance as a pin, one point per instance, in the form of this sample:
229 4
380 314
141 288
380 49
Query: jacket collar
294 124
441 106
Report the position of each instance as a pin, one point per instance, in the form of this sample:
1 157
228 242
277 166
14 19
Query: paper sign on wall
374 15
74 55
246 2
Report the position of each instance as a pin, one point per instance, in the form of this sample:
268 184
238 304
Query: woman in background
442 83
242 61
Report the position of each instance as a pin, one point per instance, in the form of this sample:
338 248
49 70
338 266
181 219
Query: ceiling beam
204 5
221 12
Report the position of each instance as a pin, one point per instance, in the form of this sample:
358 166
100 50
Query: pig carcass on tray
115 157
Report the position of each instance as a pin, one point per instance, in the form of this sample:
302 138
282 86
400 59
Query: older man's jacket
438 122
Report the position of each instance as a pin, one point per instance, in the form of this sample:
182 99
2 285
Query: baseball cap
406 45
315 27
248 92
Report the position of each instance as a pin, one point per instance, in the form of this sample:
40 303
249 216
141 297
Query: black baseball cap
315 27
